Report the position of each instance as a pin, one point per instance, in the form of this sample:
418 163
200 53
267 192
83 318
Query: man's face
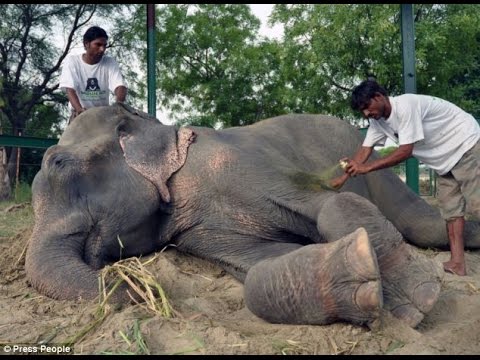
375 108
96 48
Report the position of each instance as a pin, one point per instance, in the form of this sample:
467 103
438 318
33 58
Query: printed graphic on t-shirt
92 85
92 91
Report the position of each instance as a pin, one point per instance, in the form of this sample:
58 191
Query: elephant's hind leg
411 281
318 284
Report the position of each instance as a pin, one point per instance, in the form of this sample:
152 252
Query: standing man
88 78
436 132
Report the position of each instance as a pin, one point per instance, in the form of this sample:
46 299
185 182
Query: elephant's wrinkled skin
243 198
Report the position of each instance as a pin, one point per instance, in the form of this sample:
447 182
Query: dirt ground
210 316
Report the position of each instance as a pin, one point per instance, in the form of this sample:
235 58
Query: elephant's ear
154 150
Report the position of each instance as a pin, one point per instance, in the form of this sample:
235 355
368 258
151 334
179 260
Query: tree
212 68
30 62
448 43
330 48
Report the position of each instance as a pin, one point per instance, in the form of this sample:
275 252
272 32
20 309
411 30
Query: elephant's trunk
55 266
55 260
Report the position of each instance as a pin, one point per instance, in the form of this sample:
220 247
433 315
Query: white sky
263 11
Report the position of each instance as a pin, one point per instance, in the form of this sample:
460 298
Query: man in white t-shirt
89 78
436 132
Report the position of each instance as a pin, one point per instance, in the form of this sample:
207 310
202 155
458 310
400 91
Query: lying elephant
244 198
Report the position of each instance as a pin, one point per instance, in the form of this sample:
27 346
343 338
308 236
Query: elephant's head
99 196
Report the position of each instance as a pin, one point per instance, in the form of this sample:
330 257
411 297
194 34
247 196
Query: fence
426 177
30 154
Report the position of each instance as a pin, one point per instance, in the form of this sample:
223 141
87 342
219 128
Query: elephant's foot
411 283
318 284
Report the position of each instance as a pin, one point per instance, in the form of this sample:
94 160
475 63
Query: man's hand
79 111
359 166
120 93
355 168
338 182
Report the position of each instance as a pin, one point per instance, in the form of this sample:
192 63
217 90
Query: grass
16 216
22 193
141 282
12 222
135 341
136 338
289 347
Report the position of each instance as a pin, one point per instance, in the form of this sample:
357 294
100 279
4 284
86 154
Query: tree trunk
12 165
5 186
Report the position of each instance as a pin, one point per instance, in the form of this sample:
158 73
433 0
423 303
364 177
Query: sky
262 11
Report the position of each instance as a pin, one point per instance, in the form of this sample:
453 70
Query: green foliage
398 169
330 48
30 161
385 151
448 48
23 193
208 62
30 61
213 68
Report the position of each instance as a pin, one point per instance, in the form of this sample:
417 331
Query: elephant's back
285 159
307 141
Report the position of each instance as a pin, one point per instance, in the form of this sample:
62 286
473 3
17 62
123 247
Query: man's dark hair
93 33
364 92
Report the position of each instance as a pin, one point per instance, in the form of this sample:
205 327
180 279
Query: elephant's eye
59 161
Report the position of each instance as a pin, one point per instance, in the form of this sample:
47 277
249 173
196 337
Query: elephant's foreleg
318 284
411 281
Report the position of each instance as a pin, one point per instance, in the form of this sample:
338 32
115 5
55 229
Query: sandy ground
210 316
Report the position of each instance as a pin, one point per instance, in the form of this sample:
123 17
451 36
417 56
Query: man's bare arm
73 98
120 93
357 166
362 155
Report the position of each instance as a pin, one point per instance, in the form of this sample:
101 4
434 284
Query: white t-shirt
440 131
91 82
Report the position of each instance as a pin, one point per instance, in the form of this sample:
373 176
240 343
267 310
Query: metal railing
26 141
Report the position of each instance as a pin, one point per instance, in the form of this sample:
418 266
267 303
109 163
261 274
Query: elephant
245 198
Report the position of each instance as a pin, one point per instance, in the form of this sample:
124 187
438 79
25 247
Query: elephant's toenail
361 258
425 296
368 296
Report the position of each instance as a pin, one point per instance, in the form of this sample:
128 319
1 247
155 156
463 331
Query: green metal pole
152 108
409 82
